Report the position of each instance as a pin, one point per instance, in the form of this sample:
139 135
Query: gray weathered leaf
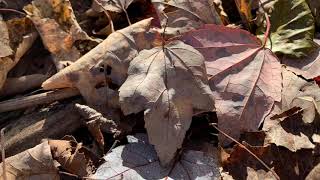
112 5
138 160
170 84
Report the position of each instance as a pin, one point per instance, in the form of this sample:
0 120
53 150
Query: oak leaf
245 77
169 83
138 160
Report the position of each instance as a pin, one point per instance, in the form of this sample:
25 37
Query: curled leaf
292 28
170 85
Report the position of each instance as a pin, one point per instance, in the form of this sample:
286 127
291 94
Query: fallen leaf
18 36
188 15
5 41
297 92
73 157
138 160
292 28
245 78
113 5
292 122
110 58
59 30
314 173
34 163
170 85
288 165
308 66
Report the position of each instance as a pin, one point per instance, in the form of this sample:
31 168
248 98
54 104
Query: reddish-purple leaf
244 76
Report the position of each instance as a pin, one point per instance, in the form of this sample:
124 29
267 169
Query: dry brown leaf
4 40
59 30
34 163
314 173
110 58
287 165
73 157
292 121
188 15
18 35
170 85
308 67
245 77
113 5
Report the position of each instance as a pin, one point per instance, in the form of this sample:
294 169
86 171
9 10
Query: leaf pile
144 87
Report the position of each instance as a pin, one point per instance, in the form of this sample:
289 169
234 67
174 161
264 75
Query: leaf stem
245 148
267 33
13 10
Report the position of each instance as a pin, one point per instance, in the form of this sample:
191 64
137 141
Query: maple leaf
138 160
245 77
34 163
170 84
292 28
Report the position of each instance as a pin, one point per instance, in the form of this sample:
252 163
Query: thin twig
250 152
113 145
127 16
108 15
3 154
13 10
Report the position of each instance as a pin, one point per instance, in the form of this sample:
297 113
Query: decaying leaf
138 160
292 121
308 67
73 157
286 164
245 78
17 36
292 28
244 8
34 163
110 58
169 83
4 40
188 15
59 30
